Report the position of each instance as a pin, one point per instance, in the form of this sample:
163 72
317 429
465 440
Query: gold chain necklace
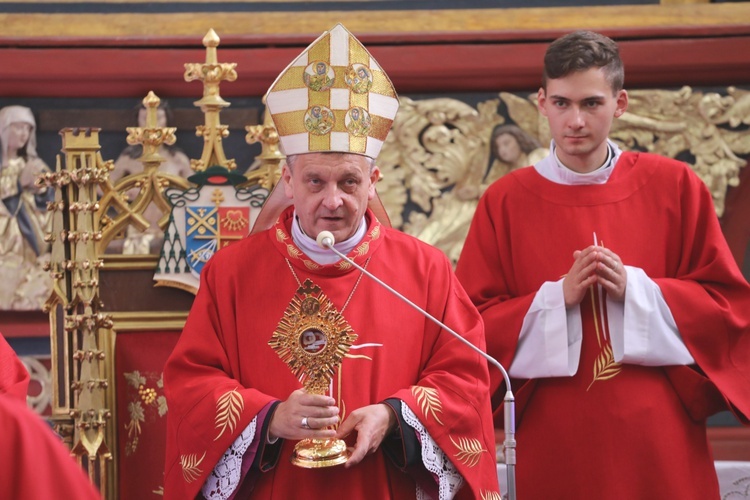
351 294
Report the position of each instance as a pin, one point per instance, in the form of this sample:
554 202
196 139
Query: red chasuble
614 431
224 349
35 463
14 378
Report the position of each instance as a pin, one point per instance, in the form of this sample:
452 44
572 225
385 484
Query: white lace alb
434 460
225 478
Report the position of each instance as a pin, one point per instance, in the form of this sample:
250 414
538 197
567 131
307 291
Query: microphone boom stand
325 240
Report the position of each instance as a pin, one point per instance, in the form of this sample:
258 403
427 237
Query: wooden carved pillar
82 347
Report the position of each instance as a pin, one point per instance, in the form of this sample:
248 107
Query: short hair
582 50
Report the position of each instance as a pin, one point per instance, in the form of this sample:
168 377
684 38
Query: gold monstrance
312 338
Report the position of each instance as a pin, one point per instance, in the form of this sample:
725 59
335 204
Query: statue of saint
24 219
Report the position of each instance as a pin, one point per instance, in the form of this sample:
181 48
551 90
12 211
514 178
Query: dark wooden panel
117 120
134 290
736 220
440 68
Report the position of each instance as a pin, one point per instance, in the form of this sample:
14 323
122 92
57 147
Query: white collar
320 255
551 168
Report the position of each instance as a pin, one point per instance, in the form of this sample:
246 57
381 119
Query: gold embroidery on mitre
190 469
357 121
318 76
358 78
229 407
380 127
319 120
429 400
469 451
330 90
312 337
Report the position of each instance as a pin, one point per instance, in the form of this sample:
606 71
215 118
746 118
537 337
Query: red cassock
14 378
35 463
245 290
614 431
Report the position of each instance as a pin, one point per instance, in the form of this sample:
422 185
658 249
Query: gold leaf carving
228 410
429 400
469 451
438 159
605 366
491 495
190 463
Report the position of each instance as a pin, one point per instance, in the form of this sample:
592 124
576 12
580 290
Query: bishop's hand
304 416
372 424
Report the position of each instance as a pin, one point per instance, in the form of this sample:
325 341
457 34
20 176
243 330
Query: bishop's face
330 191
580 108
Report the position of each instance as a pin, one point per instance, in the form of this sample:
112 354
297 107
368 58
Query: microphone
325 239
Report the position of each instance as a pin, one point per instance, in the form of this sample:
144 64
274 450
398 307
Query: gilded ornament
436 162
313 338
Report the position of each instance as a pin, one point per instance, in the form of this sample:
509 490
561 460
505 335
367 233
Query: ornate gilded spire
211 73
268 169
151 136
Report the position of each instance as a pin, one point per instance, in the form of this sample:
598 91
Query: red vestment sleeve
454 410
483 274
710 301
208 407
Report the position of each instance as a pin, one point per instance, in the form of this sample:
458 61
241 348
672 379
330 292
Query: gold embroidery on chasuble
312 337
469 450
294 252
190 469
605 366
343 265
491 495
229 407
428 400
